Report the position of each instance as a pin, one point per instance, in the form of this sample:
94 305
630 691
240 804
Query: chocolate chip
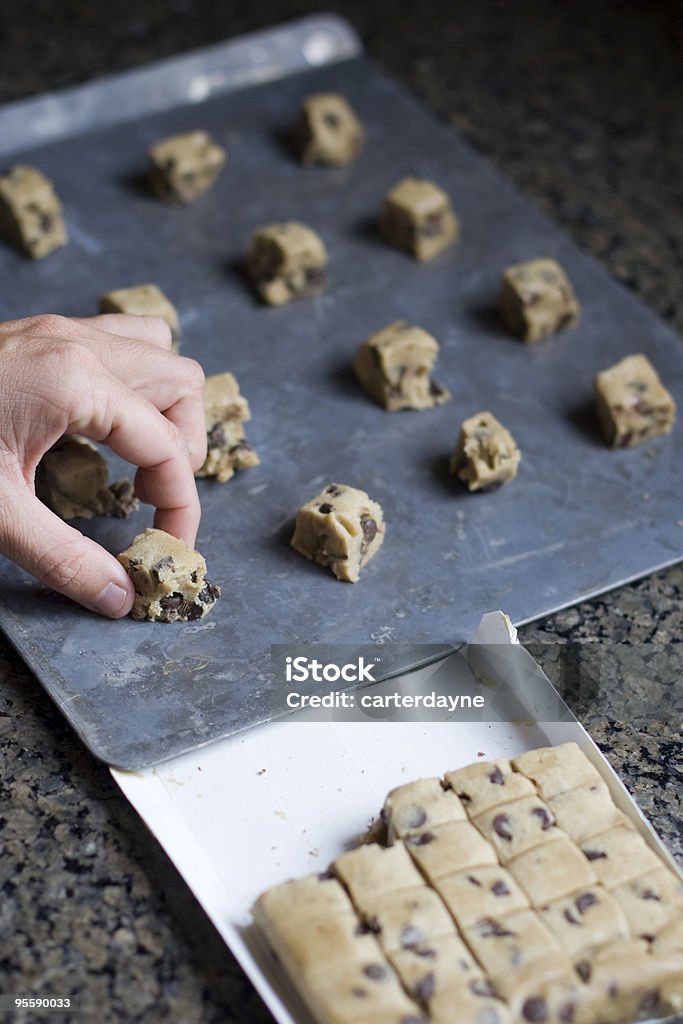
432 225
482 987
359 993
473 881
423 839
416 818
241 448
584 970
424 990
164 563
613 990
376 972
331 120
503 827
535 1010
369 528
567 1012
171 602
499 888
643 408
465 797
650 894
595 854
569 917
216 436
210 593
374 925
411 936
649 1004
325 508
545 817
584 901
334 490
497 777
436 389
425 953
315 277
411 1018
47 221
488 928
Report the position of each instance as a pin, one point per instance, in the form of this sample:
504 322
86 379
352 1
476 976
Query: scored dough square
307 947
410 918
303 899
618 855
427 969
354 990
481 892
370 873
418 806
552 870
557 769
450 848
625 982
548 991
587 918
474 1002
517 826
650 901
507 945
586 810
487 784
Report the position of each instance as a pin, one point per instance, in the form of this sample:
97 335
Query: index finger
152 329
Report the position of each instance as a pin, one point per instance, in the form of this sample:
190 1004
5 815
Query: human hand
113 379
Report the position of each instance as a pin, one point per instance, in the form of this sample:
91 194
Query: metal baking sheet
578 520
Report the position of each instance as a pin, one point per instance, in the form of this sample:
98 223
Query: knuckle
161 328
63 567
193 373
52 324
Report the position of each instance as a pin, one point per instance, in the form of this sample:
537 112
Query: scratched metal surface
579 519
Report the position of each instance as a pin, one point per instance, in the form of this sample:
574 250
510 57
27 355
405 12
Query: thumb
63 559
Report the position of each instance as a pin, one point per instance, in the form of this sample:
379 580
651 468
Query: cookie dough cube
225 410
410 919
427 969
169 579
327 131
486 455
359 990
394 367
286 261
341 529
142 300
586 811
481 892
551 870
185 166
587 918
557 769
488 783
548 991
418 806
632 403
307 946
417 216
537 300
650 901
370 873
71 479
506 945
618 855
30 212
518 826
448 849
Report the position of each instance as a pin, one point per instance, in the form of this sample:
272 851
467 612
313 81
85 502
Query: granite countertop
579 104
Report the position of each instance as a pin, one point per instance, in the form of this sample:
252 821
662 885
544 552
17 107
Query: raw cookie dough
285 261
650 901
426 969
185 166
625 982
518 826
588 917
370 873
341 529
360 991
71 479
417 215
481 892
551 870
632 403
557 769
225 410
327 131
586 810
30 212
410 918
448 849
487 784
537 299
418 806
486 454
618 855
394 367
669 940
547 992
506 945
474 1002
169 579
142 300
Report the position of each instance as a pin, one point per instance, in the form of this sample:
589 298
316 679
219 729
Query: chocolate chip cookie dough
327 131
185 166
417 216
225 410
486 455
341 529
537 299
286 261
632 403
30 212
394 367
71 479
169 579
142 300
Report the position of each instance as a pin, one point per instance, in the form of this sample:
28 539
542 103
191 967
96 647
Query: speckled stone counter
579 103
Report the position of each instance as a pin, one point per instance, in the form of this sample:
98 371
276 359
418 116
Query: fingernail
111 600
